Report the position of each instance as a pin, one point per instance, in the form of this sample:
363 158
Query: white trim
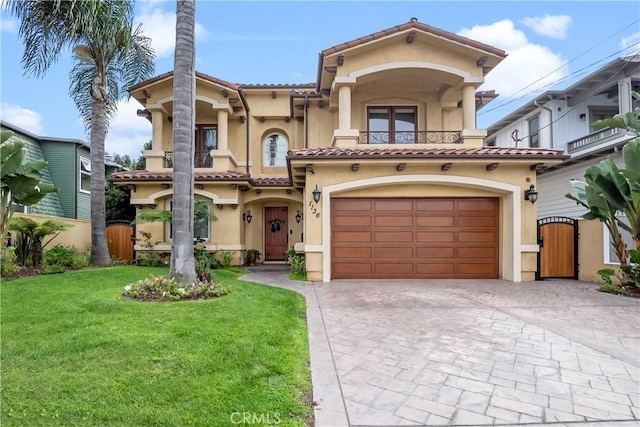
511 261
163 247
81 173
468 78
529 248
313 248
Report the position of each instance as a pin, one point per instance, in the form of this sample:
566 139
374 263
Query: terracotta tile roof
232 86
277 85
413 23
168 176
373 153
271 182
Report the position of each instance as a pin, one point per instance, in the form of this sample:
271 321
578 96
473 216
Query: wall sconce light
531 194
316 194
246 216
299 216
582 116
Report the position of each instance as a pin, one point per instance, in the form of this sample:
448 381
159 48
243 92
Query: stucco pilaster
223 130
468 107
157 120
344 107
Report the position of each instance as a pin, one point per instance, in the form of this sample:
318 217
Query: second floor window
85 175
275 150
206 140
534 132
389 125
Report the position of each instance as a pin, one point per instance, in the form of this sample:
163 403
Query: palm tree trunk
99 249
182 258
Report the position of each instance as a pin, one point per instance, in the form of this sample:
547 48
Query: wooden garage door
414 238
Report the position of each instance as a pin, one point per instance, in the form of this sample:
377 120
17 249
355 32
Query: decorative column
344 107
223 130
624 96
156 125
468 107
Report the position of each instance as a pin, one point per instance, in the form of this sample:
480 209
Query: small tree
20 182
31 240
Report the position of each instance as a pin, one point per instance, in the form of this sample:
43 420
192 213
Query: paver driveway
484 352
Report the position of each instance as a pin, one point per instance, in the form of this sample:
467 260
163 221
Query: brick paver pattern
482 352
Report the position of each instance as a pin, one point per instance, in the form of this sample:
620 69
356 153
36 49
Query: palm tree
110 56
184 80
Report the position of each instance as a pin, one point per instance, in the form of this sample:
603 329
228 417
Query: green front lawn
74 352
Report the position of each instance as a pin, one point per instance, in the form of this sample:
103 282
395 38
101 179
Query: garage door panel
476 268
399 205
476 236
415 238
393 236
435 205
435 236
393 252
475 205
476 252
476 221
394 221
394 268
353 221
353 236
354 205
436 268
435 252
353 252
353 268
435 221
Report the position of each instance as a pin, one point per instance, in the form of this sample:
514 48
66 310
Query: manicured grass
299 277
75 353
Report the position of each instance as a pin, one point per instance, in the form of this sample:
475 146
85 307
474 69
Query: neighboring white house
562 119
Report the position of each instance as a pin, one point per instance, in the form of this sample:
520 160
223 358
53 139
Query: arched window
275 150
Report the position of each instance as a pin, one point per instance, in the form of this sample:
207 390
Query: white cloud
631 40
525 64
160 26
23 118
127 132
9 25
554 26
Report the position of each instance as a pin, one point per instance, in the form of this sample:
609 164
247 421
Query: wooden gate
120 240
558 241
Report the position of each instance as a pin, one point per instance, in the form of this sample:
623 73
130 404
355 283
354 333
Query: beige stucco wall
79 236
590 251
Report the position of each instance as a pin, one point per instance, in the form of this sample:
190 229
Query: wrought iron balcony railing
592 139
201 159
410 137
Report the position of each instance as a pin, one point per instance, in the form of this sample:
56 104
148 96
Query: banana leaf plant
20 182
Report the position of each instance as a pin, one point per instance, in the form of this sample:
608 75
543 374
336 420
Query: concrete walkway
479 352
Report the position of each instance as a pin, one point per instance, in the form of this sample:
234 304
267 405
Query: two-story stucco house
563 119
376 170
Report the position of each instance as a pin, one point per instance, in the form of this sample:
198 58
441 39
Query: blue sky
279 42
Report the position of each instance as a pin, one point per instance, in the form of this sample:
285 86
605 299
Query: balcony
593 139
410 137
202 159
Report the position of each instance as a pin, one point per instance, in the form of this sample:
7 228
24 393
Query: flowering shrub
162 288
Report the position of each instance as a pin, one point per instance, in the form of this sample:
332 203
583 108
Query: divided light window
206 140
200 225
389 125
85 175
534 132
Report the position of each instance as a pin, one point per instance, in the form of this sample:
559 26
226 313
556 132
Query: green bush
162 288
8 266
298 264
66 257
631 276
227 258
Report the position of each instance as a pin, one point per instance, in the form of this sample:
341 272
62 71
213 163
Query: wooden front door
424 238
276 233
558 241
